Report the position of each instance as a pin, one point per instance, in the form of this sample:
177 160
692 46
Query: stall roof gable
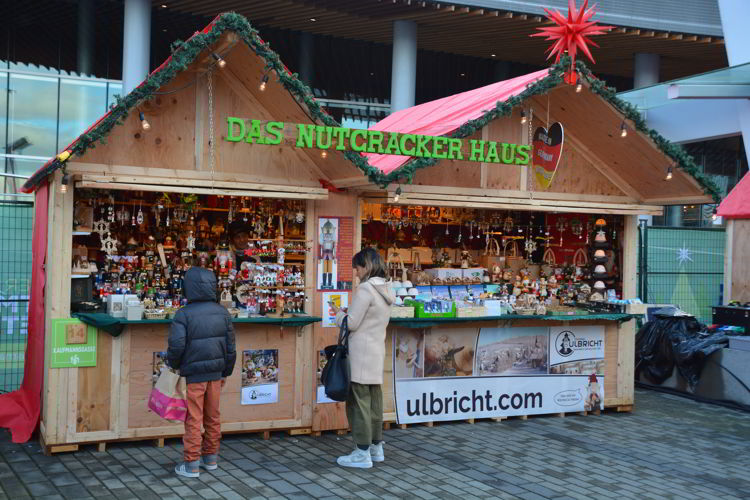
465 114
737 203
196 53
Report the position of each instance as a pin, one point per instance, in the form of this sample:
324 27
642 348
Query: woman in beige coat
367 319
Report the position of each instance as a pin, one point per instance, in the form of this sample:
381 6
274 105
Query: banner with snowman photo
461 373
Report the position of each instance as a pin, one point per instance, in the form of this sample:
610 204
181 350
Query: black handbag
336 375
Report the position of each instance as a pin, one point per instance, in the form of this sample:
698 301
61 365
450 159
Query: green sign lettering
81 351
378 142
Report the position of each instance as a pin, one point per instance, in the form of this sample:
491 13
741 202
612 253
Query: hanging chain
211 145
530 176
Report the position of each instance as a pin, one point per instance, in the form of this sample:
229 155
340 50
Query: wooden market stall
735 208
611 169
223 132
154 185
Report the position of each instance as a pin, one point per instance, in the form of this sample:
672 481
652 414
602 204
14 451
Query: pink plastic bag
168 398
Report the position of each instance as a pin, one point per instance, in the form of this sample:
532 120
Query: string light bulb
523 117
579 87
221 63
669 173
145 125
714 214
398 194
324 154
64 183
623 130
263 82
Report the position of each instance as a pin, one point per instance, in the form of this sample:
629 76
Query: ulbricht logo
566 343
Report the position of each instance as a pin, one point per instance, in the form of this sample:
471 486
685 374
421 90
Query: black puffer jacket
201 338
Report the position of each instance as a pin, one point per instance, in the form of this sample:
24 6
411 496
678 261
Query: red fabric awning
443 116
737 203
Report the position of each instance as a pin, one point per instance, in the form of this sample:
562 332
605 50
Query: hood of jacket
380 285
200 285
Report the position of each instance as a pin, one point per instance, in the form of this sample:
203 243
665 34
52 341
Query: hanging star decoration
572 34
683 254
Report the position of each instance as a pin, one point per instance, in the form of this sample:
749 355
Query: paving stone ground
668 448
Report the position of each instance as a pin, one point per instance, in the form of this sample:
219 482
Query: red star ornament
572 34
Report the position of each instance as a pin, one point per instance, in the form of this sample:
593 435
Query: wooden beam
189 189
130 179
515 204
512 193
176 177
459 195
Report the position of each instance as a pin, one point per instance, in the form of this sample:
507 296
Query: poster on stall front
497 372
576 351
335 243
260 377
341 299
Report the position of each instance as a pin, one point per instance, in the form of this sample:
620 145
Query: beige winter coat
369 313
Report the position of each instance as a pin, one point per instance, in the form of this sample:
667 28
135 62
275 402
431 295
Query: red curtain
19 410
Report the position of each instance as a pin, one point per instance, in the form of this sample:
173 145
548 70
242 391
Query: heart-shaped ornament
548 145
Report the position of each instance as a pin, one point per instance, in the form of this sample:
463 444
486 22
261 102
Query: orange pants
203 409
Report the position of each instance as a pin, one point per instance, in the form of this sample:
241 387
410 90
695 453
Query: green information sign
302 135
73 344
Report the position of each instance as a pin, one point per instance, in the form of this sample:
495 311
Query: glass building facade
42 112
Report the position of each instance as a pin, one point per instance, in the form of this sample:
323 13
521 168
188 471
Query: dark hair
370 259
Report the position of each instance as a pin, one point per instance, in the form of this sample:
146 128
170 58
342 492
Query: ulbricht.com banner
463 372
436 399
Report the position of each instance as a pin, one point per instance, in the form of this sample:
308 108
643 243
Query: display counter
108 401
549 356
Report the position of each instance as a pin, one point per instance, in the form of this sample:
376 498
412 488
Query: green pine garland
184 53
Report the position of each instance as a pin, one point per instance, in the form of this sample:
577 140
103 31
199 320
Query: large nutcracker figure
327 254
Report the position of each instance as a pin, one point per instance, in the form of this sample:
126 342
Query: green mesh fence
16 224
684 267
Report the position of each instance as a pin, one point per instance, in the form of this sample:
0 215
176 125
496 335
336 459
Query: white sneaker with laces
376 452
359 459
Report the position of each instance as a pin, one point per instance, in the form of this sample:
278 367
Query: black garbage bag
668 341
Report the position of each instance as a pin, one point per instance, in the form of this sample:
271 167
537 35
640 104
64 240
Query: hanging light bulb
263 82
64 183
144 124
398 194
221 63
523 117
669 173
623 130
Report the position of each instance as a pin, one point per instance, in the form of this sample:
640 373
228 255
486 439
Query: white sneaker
358 458
376 452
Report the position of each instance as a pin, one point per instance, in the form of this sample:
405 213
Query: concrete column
674 215
85 31
734 15
646 73
646 70
306 57
404 65
136 43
